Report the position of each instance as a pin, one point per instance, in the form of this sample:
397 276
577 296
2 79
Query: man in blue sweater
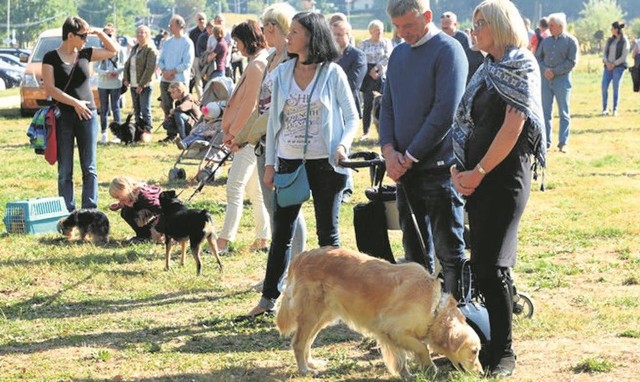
425 81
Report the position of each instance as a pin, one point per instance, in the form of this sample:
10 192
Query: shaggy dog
181 224
401 305
129 132
88 222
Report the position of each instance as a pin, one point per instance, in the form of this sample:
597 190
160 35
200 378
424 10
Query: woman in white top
615 62
312 121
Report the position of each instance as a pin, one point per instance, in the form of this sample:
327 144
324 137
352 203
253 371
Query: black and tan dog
90 223
179 223
128 132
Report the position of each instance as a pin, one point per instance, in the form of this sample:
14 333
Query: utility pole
8 21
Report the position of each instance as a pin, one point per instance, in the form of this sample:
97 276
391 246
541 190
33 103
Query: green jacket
145 65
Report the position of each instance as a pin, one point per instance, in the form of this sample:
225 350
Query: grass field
79 312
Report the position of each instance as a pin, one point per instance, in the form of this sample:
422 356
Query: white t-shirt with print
291 136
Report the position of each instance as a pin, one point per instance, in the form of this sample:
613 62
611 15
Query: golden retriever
400 305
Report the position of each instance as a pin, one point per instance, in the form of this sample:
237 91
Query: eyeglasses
479 25
445 15
83 36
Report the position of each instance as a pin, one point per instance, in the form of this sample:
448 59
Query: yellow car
32 94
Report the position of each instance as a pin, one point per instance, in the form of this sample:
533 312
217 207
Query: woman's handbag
51 149
42 129
293 188
254 129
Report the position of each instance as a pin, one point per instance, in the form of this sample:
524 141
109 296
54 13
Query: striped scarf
516 79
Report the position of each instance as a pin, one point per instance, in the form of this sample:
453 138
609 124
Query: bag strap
73 69
306 129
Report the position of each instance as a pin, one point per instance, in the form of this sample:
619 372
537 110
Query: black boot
497 290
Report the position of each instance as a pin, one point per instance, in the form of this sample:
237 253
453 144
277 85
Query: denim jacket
339 113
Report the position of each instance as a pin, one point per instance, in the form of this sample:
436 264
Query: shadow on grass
223 375
46 307
221 337
624 129
11 113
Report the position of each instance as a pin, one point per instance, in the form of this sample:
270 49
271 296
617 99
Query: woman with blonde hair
497 129
138 74
378 50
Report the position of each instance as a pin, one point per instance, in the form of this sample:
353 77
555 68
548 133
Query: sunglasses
478 25
83 36
445 15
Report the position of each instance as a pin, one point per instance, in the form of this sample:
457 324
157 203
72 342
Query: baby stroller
381 211
203 146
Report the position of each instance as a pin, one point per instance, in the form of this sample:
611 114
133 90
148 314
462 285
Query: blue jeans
607 76
182 124
439 212
560 88
109 96
142 106
70 129
326 186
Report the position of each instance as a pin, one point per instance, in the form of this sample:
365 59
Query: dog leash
423 246
207 179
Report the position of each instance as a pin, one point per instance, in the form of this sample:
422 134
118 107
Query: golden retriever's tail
285 320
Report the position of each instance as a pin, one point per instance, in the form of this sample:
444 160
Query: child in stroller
214 100
203 146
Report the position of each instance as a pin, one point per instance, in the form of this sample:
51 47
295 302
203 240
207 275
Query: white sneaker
115 140
105 138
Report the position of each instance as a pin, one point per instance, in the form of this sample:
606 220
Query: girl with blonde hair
139 204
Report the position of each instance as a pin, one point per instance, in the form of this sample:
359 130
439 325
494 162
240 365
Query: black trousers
635 74
497 289
369 85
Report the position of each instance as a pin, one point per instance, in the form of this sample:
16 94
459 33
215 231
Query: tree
597 15
30 18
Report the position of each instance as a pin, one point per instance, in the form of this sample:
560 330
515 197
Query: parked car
21 54
10 75
32 93
12 60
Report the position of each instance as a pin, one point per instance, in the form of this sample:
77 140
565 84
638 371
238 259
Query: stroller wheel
523 305
177 174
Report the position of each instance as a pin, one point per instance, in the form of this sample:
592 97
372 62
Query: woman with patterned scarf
497 128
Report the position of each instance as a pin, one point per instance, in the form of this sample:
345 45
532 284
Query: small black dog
179 223
129 132
89 223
